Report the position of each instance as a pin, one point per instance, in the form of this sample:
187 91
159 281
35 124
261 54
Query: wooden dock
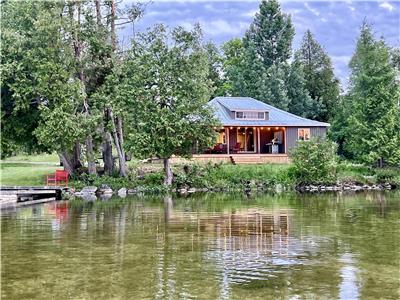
24 195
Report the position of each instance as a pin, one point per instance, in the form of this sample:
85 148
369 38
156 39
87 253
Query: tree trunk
90 156
71 161
78 45
67 164
98 12
107 154
113 32
117 134
169 176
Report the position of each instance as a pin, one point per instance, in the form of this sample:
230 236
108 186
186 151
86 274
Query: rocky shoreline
104 192
347 186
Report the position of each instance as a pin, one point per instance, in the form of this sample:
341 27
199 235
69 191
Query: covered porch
236 140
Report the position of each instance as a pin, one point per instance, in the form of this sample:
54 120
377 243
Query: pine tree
374 93
300 103
321 82
271 33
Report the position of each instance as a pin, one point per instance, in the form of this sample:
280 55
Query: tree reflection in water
208 246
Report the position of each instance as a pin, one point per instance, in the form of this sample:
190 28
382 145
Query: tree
374 94
314 162
300 103
37 65
215 70
52 72
271 34
233 65
321 82
258 65
165 92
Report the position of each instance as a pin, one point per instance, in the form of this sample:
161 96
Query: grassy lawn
47 158
25 174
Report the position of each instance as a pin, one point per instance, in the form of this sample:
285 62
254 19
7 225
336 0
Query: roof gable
277 117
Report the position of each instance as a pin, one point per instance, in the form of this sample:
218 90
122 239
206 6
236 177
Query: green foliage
165 91
234 177
34 71
271 34
314 162
371 131
258 67
388 175
320 80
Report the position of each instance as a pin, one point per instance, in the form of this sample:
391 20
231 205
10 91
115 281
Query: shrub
388 175
314 162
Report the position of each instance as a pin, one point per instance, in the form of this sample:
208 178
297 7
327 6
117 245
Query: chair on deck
236 148
60 177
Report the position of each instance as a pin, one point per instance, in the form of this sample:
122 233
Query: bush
388 175
314 162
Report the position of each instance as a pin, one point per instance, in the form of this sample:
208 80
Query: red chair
60 177
236 148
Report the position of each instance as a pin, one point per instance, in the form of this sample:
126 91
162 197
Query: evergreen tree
215 70
258 66
164 92
321 82
374 93
271 33
300 103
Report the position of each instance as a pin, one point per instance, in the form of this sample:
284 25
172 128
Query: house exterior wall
291 135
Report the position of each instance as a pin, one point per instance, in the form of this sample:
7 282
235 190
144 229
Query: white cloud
220 27
387 5
312 10
250 13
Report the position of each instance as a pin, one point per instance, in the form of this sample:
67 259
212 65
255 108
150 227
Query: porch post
227 139
258 140
284 128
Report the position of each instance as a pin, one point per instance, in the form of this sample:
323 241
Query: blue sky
334 23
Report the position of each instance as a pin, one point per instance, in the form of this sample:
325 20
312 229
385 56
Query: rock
279 188
89 197
191 190
122 192
106 191
89 190
105 197
132 191
182 191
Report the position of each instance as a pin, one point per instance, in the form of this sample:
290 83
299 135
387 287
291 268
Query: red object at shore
60 177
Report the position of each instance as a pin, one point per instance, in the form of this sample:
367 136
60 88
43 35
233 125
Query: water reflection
209 247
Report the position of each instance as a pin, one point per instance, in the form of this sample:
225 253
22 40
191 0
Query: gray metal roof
224 105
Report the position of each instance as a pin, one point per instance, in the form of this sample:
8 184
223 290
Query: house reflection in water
240 246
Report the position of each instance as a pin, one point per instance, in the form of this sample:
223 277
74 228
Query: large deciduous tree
321 82
165 90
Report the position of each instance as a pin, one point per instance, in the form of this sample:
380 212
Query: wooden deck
241 158
23 195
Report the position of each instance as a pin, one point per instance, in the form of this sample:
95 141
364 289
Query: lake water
215 246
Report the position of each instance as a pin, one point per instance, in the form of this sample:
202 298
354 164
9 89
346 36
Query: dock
25 195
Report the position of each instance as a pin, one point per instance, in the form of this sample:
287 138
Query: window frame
304 129
243 112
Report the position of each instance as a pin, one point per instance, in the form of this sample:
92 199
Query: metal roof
224 105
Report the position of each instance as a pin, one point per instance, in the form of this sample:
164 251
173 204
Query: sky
335 24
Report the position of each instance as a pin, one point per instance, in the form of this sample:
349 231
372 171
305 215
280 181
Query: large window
303 134
250 115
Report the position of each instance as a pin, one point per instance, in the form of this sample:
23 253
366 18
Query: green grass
25 170
25 174
48 158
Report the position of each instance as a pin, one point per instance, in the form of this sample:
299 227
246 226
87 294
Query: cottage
255 132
